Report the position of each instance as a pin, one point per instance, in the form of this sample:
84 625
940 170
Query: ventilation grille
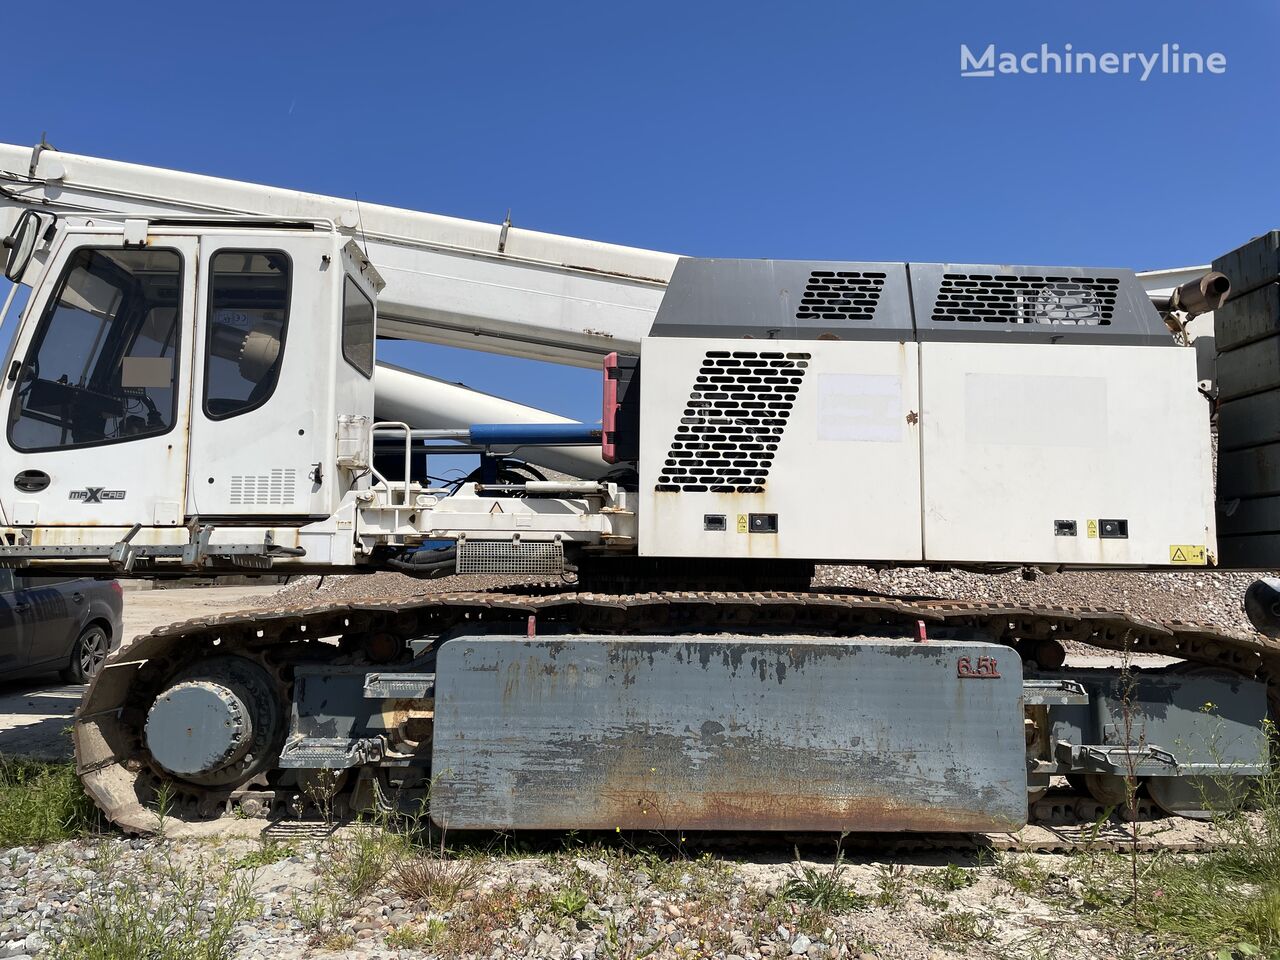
524 557
729 434
265 489
840 294
995 298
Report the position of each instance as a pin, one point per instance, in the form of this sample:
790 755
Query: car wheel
90 650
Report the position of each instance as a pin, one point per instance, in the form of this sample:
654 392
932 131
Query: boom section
492 287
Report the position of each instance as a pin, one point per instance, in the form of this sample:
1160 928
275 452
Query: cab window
248 317
102 366
357 327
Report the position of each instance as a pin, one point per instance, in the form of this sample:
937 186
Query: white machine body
839 434
976 415
198 390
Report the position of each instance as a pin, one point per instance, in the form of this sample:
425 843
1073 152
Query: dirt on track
1195 596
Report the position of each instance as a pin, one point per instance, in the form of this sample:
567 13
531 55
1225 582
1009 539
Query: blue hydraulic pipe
535 434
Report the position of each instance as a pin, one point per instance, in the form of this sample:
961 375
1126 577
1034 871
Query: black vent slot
997 298
840 294
733 422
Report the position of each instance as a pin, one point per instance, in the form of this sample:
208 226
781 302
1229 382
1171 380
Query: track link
117 773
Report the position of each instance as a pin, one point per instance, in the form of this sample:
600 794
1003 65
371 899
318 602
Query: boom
493 287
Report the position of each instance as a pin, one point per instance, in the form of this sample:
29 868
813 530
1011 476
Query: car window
26 581
6 581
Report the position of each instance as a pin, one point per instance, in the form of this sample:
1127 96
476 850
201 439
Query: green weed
412 937
952 878
42 803
123 920
569 903
269 852
823 890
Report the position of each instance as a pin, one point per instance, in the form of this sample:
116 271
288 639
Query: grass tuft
569 903
355 861
959 927
952 877
270 851
42 803
823 889
434 879
185 915
1222 903
413 937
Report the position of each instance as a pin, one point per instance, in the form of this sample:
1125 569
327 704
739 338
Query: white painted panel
860 406
1008 408
844 481
1018 436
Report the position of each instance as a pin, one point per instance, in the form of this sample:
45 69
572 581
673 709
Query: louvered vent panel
840 294
265 489
997 298
733 422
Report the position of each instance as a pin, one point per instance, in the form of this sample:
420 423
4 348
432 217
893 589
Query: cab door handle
78 597
31 481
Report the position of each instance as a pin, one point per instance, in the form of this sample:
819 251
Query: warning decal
742 523
1092 526
1186 553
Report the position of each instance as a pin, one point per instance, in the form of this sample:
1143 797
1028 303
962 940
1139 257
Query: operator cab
180 374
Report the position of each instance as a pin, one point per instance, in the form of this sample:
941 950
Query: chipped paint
720 732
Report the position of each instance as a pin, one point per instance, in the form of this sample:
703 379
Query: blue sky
813 130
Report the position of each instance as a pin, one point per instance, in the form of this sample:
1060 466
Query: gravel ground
569 905
377 586
1198 596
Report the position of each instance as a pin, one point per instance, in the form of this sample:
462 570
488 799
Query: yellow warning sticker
1187 553
1092 526
742 523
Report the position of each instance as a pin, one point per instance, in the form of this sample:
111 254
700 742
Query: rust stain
648 807
706 781
912 417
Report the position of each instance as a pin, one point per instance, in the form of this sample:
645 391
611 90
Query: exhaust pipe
1201 296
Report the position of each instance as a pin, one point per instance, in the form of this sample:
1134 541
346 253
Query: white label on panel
860 406
1035 410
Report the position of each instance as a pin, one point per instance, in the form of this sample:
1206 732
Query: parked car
58 625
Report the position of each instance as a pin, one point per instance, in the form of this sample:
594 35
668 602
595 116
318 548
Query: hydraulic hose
427 564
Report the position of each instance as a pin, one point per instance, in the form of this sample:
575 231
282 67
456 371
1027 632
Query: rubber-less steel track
118 774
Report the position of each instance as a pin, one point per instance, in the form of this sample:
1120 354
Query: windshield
101 367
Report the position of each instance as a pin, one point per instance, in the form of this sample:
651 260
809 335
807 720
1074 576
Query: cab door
97 395
263 398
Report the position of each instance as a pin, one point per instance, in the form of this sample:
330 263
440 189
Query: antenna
360 226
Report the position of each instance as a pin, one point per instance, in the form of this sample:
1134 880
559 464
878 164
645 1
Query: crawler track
117 772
